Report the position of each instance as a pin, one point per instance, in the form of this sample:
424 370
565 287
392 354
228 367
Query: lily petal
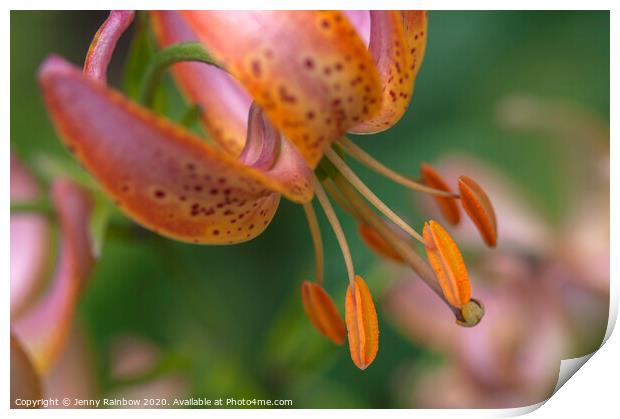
30 235
44 328
264 140
397 43
164 177
224 103
103 44
360 19
308 70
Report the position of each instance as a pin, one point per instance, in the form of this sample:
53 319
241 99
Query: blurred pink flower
132 363
42 312
545 291
73 373
30 240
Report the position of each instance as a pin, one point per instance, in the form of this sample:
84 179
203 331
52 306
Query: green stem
42 206
400 245
186 51
191 116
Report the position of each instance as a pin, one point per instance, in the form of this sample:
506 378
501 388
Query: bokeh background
519 98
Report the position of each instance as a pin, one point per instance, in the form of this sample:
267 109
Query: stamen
315 232
367 160
370 196
335 224
335 194
472 312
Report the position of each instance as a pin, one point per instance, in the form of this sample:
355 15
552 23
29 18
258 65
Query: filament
335 194
315 232
336 227
367 160
370 196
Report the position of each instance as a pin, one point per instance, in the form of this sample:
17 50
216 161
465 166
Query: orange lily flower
314 87
336 72
288 85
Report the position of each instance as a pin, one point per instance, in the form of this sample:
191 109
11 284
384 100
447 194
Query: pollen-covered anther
448 264
479 208
377 243
322 312
362 324
447 205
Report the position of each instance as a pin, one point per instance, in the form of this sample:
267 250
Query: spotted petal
224 103
309 70
360 19
43 329
165 177
397 43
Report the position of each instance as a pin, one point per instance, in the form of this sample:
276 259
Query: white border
594 391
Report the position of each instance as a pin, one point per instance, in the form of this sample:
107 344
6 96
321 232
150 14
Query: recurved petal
261 148
360 19
362 324
268 151
309 70
479 208
322 312
224 103
161 175
43 329
416 26
448 264
397 43
103 44
448 206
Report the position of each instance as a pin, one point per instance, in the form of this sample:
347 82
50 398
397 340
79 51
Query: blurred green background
229 320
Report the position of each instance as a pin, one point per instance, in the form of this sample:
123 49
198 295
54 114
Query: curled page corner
568 367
